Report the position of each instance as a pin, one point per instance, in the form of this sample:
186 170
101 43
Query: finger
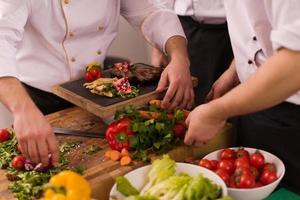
185 99
198 143
169 94
53 147
43 152
191 103
188 140
24 148
163 82
32 150
178 99
209 96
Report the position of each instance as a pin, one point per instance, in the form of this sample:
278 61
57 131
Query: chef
266 43
209 47
45 43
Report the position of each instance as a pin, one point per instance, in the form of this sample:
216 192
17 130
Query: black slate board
77 88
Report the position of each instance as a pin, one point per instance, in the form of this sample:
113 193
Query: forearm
13 95
176 48
274 82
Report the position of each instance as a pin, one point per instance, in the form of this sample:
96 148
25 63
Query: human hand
203 125
224 84
35 136
158 58
177 78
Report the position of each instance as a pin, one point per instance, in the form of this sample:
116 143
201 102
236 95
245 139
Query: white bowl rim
250 148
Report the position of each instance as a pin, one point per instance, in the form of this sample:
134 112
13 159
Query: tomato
88 77
214 164
226 165
268 177
270 167
254 172
232 183
18 162
4 135
257 160
224 175
228 154
258 184
240 170
241 152
95 73
241 162
246 181
179 130
205 163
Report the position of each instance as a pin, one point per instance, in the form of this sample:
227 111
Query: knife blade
66 131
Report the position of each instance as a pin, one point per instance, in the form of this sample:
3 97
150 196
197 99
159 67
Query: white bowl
254 193
138 178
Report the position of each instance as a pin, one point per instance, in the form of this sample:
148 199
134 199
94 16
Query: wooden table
101 172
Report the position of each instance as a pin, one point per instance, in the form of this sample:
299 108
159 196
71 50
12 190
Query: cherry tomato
241 162
240 170
205 163
214 164
257 160
179 130
95 73
232 183
88 77
258 184
4 135
226 165
246 181
241 152
18 162
268 177
254 172
270 167
228 154
224 175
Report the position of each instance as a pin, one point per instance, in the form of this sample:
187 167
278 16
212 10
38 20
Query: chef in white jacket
209 48
265 38
44 43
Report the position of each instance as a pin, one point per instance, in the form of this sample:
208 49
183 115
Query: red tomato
270 167
246 181
224 175
228 154
241 152
241 162
254 172
214 164
257 160
4 135
205 163
258 184
88 77
95 73
179 130
268 177
226 165
232 183
18 162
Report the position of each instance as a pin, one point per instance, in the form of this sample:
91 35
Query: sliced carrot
155 102
152 115
125 160
125 152
115 155
107 154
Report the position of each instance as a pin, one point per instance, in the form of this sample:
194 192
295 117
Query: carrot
155 102
186 113
124 152
115 155
107 154
125 160
152 115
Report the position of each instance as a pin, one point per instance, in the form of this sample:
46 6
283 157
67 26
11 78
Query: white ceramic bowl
254 193
138 178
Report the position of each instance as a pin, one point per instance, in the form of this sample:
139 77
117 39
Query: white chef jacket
258 28
48 42
203 11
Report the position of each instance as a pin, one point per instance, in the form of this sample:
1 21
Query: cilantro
92 149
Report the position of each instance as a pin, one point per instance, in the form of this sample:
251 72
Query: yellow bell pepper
68 185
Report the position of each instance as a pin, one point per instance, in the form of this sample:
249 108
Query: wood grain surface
101 172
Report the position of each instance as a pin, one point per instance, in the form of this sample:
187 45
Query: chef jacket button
254 38
99 52
66 1
250 62
100 28
73 59
71 34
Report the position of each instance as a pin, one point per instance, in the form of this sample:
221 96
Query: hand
180 93
158 58
203 125
224 84
35 136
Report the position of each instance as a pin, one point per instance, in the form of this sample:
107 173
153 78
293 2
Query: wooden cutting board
100 171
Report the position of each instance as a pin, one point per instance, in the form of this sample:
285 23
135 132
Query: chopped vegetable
125 152
115 155
108 153
125 187
92 149
125 160
4 135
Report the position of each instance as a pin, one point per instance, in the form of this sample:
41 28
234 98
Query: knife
66 131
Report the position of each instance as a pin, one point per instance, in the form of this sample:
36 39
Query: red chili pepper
118 134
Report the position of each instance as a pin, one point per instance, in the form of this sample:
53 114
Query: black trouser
276 130
209 51
45 101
